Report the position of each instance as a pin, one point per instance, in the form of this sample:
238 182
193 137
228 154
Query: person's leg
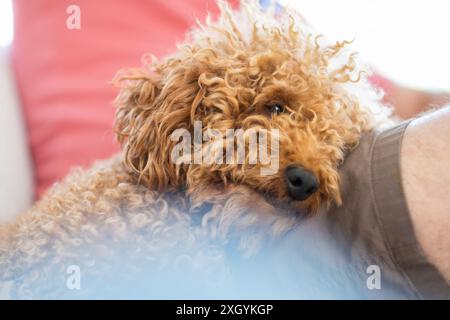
426 180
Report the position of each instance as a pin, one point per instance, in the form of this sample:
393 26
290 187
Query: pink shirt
63 74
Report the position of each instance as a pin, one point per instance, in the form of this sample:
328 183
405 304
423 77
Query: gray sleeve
395 221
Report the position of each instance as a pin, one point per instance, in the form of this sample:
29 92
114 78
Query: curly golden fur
225 74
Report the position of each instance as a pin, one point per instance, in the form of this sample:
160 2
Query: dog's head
254 100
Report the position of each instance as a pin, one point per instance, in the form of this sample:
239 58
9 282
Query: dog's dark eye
275 108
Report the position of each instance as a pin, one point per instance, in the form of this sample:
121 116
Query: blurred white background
407 40
6 22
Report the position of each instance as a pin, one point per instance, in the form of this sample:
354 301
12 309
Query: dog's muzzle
300 183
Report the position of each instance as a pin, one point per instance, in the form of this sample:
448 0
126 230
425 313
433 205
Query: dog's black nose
301 183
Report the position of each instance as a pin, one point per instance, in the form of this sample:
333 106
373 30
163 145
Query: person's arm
408 102
425 168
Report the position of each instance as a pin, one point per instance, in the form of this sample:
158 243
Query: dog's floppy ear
147 113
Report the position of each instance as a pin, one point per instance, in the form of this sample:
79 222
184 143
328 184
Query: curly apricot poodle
250 69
